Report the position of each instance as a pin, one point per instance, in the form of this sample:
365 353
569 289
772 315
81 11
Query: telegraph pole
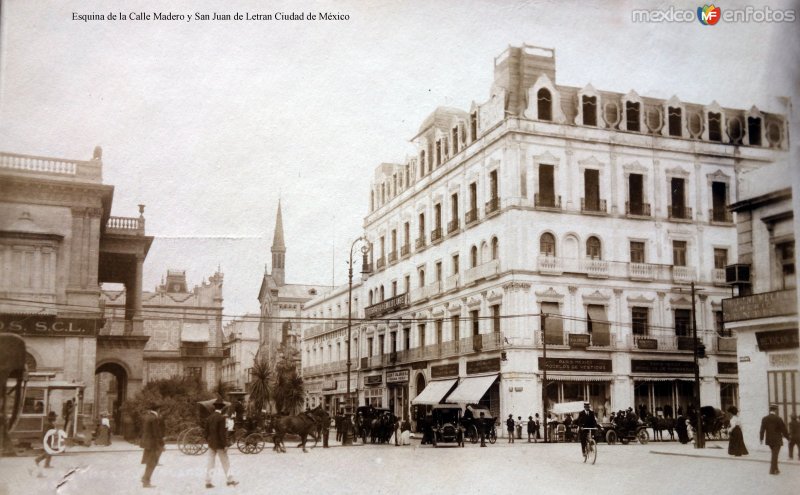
544 376
699 441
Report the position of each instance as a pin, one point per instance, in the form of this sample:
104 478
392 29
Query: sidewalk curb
732 458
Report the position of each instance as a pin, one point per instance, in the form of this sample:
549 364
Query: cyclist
586 419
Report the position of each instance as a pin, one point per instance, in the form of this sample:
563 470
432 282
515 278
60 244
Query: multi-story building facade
597 209
58 243
764 315
183 330
240 347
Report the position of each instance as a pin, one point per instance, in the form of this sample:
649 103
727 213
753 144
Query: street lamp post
365 269
700 442
544 376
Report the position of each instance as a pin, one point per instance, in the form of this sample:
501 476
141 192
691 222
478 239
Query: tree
289 393
260 387
222 389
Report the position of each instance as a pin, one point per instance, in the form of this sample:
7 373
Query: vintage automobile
446 427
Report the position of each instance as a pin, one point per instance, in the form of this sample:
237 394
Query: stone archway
419 410
111 388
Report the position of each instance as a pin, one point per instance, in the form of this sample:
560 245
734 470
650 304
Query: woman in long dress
736 445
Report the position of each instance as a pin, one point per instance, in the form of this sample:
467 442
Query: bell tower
278 250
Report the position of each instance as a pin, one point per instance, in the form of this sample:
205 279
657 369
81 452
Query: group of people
216 433
532 427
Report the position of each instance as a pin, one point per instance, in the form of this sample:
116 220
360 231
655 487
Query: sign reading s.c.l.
48 326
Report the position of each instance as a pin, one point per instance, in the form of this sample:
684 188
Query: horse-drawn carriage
471 419
715 423
375 424
192 439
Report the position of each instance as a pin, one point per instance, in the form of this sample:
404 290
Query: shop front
397 385
665 386
374 391
728 379
586 380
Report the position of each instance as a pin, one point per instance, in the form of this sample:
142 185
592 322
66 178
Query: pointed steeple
278 249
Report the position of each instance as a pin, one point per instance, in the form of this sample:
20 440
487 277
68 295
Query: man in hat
45 456
773 429
586 419
152 442
217 445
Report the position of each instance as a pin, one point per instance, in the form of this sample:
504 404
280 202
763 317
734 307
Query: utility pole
699 441
544 375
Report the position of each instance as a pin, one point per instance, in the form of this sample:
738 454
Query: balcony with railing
471 216
451 282
492 206
206 352
452 226
405 250
641 271
597 207
568 339
677 212
550 265
419 243
683 274
595 268
388 306
718 276
436 235
640 210
393 257
725 345
380 263
52 168
720 215
547 202
125 225
484 270
426 292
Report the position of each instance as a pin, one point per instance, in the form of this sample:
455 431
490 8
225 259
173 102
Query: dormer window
632 116
422 163
715 127
754 130
438 152
544 101
473 125
674 121
589 109
455 140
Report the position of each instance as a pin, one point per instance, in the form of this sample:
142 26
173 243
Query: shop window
784 392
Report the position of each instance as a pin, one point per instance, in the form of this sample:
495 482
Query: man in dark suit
586 419
152 442
773 428
216 436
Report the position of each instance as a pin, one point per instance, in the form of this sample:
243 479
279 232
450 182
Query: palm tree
260 386
289 393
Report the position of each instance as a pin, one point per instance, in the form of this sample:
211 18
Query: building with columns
58 243
596 208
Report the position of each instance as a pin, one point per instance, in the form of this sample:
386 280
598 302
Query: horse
714 420
382 427
659 424
300 424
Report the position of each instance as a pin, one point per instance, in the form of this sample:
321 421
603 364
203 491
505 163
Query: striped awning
471 389
662 378
434 392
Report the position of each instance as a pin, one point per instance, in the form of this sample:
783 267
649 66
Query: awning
727 379
194 332
662 378
471 389
598 320
567 407
434 392
554 377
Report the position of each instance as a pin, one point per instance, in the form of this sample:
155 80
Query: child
50 424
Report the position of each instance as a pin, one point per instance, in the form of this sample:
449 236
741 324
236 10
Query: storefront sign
777 340
648 366
785 360
569 364
329 385
483 366
579 340
647 343
373 379
419 365
764 305
444 370
744 359
49 326
686 343
724 368
396 376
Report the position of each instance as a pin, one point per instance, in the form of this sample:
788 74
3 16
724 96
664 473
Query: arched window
422 277
382 294
370 298
473 257
593 249
547 244
545 104
495 248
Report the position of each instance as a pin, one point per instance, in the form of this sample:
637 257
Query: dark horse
714 421
659 425
382 427
303 424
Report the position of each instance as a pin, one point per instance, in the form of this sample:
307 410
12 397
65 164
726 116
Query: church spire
278 249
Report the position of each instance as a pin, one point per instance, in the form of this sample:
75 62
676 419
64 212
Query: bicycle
590 453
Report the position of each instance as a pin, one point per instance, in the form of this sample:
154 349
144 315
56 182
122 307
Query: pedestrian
482 428
586 419
773 429
736 445
104 431
519 427
510 428
66 413
536 427
152 442
45 456
338 422
531 430
568 428
217 445
794 436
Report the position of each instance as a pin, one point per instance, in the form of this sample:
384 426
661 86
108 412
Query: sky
210 123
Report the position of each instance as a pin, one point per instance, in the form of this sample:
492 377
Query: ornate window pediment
494 295
596 101
532 112
549 295
590 162
546 158
438 311
680 301
640 300
596 297
473 302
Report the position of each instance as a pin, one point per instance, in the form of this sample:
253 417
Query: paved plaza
655 468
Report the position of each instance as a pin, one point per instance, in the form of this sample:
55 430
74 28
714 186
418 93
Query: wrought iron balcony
637 209
436 235
420 243
492 205
452 226
596 206
547 202
392 256
679 212
720 215
471 216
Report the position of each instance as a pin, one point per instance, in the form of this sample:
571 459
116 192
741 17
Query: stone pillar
135 297
567 205
76 244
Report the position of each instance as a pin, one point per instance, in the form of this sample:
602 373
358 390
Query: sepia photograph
399 247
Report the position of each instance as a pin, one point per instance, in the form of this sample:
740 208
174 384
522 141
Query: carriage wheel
611 437
642 436
254 443
473 434
182 442
492 436
194 441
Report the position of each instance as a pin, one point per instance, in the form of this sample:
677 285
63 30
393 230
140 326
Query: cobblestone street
501 468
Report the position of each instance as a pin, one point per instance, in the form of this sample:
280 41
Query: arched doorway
419 410
110 388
